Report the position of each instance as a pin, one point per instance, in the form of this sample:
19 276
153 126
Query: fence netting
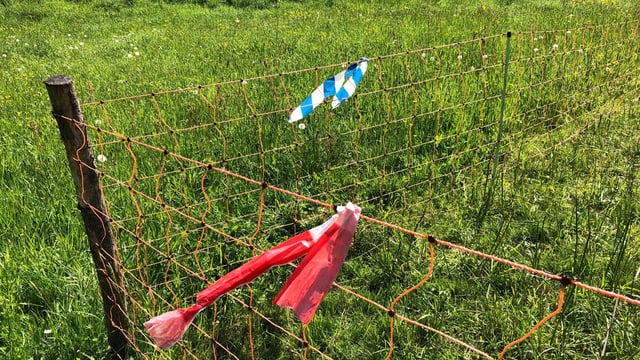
198 180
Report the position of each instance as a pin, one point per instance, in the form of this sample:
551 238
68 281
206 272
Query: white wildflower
129 55
459 57
47 331
302 126
102 158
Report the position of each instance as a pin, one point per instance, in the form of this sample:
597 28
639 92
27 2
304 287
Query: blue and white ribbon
341 86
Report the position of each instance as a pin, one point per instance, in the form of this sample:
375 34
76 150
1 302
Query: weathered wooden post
66 110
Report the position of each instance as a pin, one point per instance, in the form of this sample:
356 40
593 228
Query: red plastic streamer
326 248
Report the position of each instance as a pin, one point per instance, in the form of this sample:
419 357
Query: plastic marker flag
341 86
325 247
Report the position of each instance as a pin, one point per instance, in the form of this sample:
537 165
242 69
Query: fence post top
57 80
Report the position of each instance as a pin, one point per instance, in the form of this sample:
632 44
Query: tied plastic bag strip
325 247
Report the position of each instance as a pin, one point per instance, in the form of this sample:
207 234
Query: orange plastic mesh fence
198 180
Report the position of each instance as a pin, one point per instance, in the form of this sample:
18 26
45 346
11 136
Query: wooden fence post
66 110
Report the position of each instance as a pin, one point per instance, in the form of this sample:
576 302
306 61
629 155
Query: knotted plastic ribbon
325 247
341 86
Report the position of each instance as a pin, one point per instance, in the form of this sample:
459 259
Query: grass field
570 208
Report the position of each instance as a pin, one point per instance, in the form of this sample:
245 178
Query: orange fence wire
200 179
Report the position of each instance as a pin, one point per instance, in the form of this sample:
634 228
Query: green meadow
561 196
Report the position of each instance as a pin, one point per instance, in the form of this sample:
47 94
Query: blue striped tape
347 81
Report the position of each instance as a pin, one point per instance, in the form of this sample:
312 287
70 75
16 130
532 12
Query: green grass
568 209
